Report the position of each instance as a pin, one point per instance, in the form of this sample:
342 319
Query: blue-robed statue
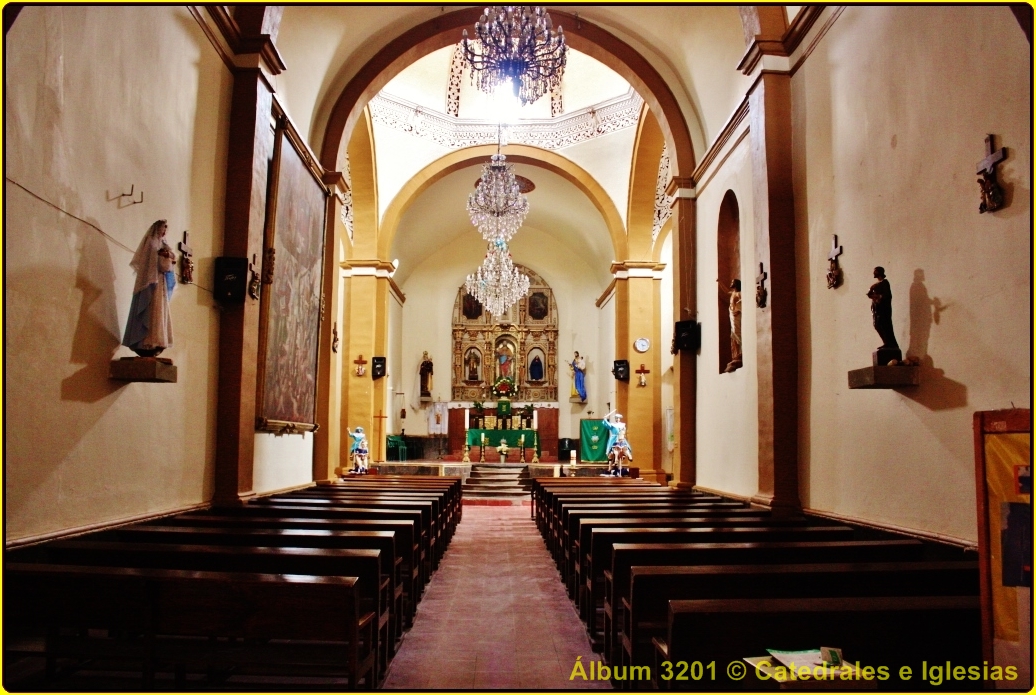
578 366
358 451
149 327
619 451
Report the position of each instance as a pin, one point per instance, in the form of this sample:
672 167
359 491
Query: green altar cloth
593 441
494 437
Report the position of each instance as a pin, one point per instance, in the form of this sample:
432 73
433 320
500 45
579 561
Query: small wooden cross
642 371
760 288
186 261
360 369
993 157
253 283
380 418
834 273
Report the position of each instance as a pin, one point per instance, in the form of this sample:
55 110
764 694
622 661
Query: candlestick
535 419
466 421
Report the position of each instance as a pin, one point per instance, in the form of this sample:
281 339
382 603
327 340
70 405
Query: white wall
727 413
890 111
396 376
431 290
281 461
99 99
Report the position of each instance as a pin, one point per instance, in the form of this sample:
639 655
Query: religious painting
538 306
290 308
473 365
472 308
505 352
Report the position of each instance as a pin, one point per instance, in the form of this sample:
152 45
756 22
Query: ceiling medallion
516 44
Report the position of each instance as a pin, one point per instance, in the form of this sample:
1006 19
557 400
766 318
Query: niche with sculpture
728 280
520 344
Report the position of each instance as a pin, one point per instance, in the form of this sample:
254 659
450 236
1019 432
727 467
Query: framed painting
1003 477
291 305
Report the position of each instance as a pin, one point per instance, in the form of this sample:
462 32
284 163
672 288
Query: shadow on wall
936 392
96 336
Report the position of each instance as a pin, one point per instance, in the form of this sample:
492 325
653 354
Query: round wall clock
641 344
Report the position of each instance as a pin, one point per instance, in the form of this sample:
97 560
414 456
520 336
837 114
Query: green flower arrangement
503 387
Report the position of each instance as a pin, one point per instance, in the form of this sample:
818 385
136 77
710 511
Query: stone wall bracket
884 377
154 370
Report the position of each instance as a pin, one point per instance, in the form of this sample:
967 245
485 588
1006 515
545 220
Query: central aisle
495 615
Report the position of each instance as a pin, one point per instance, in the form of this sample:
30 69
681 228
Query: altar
493 438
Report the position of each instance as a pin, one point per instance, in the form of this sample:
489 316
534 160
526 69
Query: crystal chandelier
497 207
497 284
516 44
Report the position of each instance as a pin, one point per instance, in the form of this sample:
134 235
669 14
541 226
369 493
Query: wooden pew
428 524
442 510
538 486
380 575
406 551
625 556
645 607
889 632
369 512
542 494
598 556
155 617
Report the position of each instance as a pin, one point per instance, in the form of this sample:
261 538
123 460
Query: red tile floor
495 615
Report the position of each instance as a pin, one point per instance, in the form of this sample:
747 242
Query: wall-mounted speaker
377 367
686 336
231 280
621 370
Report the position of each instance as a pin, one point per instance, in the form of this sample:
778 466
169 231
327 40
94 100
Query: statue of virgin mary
149 328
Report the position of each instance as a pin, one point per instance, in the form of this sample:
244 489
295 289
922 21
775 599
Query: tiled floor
495 615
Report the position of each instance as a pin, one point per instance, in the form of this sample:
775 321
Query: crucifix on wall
186 261
642 371
360 368
992 193
834 272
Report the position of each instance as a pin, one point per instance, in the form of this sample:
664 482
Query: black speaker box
231 280
377 367
621 370
686 336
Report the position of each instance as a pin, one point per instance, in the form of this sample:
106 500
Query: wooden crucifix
360 368
992 193
642 371
186 261
834 272
760 288
379 458
254 283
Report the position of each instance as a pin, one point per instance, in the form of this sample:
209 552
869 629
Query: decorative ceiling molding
549 134
663 203
557 102
453 86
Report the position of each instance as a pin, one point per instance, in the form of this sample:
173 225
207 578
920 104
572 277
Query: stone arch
445 30
640 218
518 154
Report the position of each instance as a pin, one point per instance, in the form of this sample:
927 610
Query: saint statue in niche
472 363
536 369
504 359
149 328
734 312
425 370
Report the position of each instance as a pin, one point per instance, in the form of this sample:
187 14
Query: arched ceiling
438 217
695 48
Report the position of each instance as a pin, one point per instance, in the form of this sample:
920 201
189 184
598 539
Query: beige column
685 308
637 312
366 334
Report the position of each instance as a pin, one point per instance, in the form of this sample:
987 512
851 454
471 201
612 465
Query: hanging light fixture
497 207
516 44
497 284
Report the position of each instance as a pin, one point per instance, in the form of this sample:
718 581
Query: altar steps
494 480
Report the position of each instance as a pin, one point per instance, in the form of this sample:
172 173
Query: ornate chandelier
497 207
516 44
497 284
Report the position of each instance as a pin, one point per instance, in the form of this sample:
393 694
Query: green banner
593 441
494 437
503 409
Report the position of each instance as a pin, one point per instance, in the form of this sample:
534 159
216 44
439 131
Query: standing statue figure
536 369
473 364
504 360
578 365
880 294
619 451
735 326
358 451
149 328
425 371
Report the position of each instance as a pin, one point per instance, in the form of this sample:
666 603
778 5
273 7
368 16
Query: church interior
744 231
